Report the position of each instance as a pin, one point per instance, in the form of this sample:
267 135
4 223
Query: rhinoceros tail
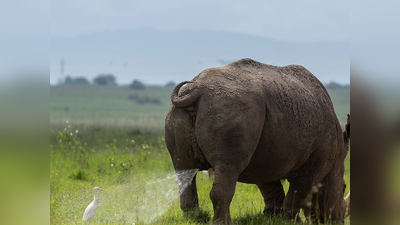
185 100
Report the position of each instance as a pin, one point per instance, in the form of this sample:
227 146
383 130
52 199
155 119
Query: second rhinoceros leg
274 195
331 204
222 193
295 200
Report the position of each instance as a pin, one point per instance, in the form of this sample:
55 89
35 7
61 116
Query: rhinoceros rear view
258 124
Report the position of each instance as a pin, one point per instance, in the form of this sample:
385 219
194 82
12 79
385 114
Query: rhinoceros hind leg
222 193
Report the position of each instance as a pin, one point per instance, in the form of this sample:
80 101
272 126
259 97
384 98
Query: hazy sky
299 21
370 27
308 21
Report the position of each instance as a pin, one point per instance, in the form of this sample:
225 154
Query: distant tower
61 71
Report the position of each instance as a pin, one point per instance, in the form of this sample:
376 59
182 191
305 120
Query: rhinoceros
258 124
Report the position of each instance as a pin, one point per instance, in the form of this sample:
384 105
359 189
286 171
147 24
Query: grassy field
116 143
110 106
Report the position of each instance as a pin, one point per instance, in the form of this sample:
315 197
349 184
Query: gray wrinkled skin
258 124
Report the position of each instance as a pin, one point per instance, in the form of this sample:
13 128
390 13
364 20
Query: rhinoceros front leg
274 195
222 193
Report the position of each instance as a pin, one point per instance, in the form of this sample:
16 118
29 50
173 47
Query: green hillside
109 106
123 108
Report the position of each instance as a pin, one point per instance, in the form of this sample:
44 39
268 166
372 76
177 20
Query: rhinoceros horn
186 100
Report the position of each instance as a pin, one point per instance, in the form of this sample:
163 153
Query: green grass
138 178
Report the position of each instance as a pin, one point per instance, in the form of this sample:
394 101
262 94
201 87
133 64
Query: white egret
91 209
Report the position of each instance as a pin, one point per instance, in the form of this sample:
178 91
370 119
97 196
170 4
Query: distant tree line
101 79
110 79
77 80
137 85
107 79
335 86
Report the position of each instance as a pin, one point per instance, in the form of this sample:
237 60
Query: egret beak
101 189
